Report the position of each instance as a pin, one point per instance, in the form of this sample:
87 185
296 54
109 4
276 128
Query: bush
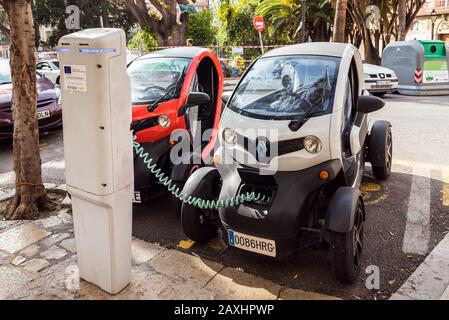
200 28
143 41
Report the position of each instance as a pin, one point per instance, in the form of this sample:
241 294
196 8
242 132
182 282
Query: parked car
379 80
50 69
49 109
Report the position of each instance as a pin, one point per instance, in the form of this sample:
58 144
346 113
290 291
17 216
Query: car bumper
381 85
54 121
291 193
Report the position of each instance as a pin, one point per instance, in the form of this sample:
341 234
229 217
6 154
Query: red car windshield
153 78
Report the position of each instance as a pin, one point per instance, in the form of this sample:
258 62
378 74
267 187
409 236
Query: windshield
284 88
154 78
55 65
5 72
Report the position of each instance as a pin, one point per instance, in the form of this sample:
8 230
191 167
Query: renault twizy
295 132
173 89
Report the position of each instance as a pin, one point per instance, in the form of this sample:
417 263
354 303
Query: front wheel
379 94
346 249
200 225
380 149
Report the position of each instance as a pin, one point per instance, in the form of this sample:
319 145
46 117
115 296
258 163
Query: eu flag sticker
231 238
67 69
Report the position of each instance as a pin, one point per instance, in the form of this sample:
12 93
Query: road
406 215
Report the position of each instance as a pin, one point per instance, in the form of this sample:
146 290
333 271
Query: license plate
43 114
137 198
254 244
384 83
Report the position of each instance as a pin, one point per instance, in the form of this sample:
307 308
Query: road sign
259 23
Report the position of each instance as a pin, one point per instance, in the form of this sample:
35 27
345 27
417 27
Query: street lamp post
303 21
433 18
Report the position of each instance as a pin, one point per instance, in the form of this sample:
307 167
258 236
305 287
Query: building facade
425 29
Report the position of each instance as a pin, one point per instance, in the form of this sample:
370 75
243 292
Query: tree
283 15
402 11
30 194
340 21
53 13
143 41
4 25
384 23
163 23
200 28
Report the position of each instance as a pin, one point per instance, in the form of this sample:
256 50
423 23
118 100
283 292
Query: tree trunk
402 11
340 21
30 194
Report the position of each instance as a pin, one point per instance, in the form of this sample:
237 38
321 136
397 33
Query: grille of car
40 104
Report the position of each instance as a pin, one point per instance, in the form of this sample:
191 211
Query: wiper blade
169 93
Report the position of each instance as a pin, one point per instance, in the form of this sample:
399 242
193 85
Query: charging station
96 95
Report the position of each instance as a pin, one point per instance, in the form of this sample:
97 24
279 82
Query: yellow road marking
185 244
370 187
445 178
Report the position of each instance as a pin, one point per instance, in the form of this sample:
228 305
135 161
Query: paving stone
143 251
294 294
53 239
49 185
445 295
11 279
31 251
36 265
69 245
237 285
49 222
8 224
3 256
54 253
18 260
194 272
6 194
65 217
20 237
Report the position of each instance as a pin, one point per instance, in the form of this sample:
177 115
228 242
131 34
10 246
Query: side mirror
368 104
226 96
197 98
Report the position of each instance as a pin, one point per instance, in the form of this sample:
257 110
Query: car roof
311 48
181 52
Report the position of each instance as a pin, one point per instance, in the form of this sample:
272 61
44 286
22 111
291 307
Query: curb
430 281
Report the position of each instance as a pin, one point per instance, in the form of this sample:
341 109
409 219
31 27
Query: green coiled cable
193 201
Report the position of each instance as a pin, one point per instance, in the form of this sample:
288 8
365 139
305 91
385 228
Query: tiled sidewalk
38 261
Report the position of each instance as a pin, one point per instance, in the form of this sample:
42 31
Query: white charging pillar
98 152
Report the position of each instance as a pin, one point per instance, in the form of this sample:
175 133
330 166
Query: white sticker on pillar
75 78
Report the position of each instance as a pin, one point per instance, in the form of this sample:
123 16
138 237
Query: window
417 26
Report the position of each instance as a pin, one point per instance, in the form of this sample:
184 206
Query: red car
173 89
49 109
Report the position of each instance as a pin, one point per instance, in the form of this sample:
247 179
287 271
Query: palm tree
340 21
284 15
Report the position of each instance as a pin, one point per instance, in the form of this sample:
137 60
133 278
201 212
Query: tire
58 81
197 223
175 203
379 94
346 249
380 149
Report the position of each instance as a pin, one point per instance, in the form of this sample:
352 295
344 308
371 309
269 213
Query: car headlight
59 95
229 136
312 144
164 121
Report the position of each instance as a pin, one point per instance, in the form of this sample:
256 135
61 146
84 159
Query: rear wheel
381 149
346 249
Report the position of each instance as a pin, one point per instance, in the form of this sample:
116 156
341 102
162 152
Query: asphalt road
406 215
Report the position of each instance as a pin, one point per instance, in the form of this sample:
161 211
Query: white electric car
380 80
294 138
50 69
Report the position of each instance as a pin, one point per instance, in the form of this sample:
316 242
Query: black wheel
346 249
380 149
58 81
200 225
379 94
175 203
